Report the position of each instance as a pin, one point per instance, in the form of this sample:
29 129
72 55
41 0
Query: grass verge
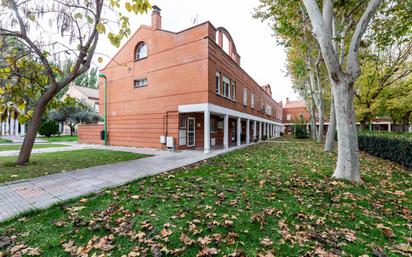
48 163
65 138
271 199
36 146
2 141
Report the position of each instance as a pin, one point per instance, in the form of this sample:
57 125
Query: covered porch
214 127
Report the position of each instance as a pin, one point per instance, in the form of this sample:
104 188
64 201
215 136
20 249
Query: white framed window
191 132
182 121
252 101
141 51
245 96
226 87
288 117
233 96
268 109
217 82
140 83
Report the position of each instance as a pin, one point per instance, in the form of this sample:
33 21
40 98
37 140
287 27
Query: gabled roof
89 92
295 104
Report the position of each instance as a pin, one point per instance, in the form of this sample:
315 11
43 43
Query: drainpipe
105 107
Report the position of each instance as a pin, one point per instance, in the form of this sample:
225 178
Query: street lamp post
105 107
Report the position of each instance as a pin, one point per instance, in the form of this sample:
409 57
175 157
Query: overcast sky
260 56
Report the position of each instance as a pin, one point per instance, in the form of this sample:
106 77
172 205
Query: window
268 109
245 96
217 82
252 101
288 117
141 51
140 83
262 107
226 87
213 125
233 97
182 121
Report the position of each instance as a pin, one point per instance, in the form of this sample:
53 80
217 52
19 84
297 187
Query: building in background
183 90
88 95
295 112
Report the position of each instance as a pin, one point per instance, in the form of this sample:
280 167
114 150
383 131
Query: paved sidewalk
45 191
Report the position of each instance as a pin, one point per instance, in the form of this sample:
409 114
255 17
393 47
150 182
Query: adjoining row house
296 112
183 90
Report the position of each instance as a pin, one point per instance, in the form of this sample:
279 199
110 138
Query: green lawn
64 138
274 198
48 163
2 140
36 146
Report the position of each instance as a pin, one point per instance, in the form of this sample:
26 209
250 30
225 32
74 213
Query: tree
343 79
385 53
72 112
88 79
74 27
293 30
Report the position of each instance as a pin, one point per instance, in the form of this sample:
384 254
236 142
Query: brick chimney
156 17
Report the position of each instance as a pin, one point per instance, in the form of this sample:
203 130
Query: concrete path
45 191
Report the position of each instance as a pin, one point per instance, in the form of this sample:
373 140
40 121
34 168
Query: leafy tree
72 112
49 128
66 28
396 102
88 79
385 55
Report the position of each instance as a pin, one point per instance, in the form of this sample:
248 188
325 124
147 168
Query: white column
267 131
247 131
254 130
273 131
12 127
239 131
16 127
389 126
206 129
226 132
23 129
7 126
260 131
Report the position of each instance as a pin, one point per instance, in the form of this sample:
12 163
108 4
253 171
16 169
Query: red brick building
294 112
183 89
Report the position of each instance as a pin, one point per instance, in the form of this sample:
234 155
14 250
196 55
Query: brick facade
180 71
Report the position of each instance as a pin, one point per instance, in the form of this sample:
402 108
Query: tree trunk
312 123
330 135
71 131
321 123
347 166
363 125
27 147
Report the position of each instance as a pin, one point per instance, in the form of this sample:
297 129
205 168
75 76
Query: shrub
49 128
300 131
394 149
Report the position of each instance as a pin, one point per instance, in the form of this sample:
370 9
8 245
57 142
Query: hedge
394 149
